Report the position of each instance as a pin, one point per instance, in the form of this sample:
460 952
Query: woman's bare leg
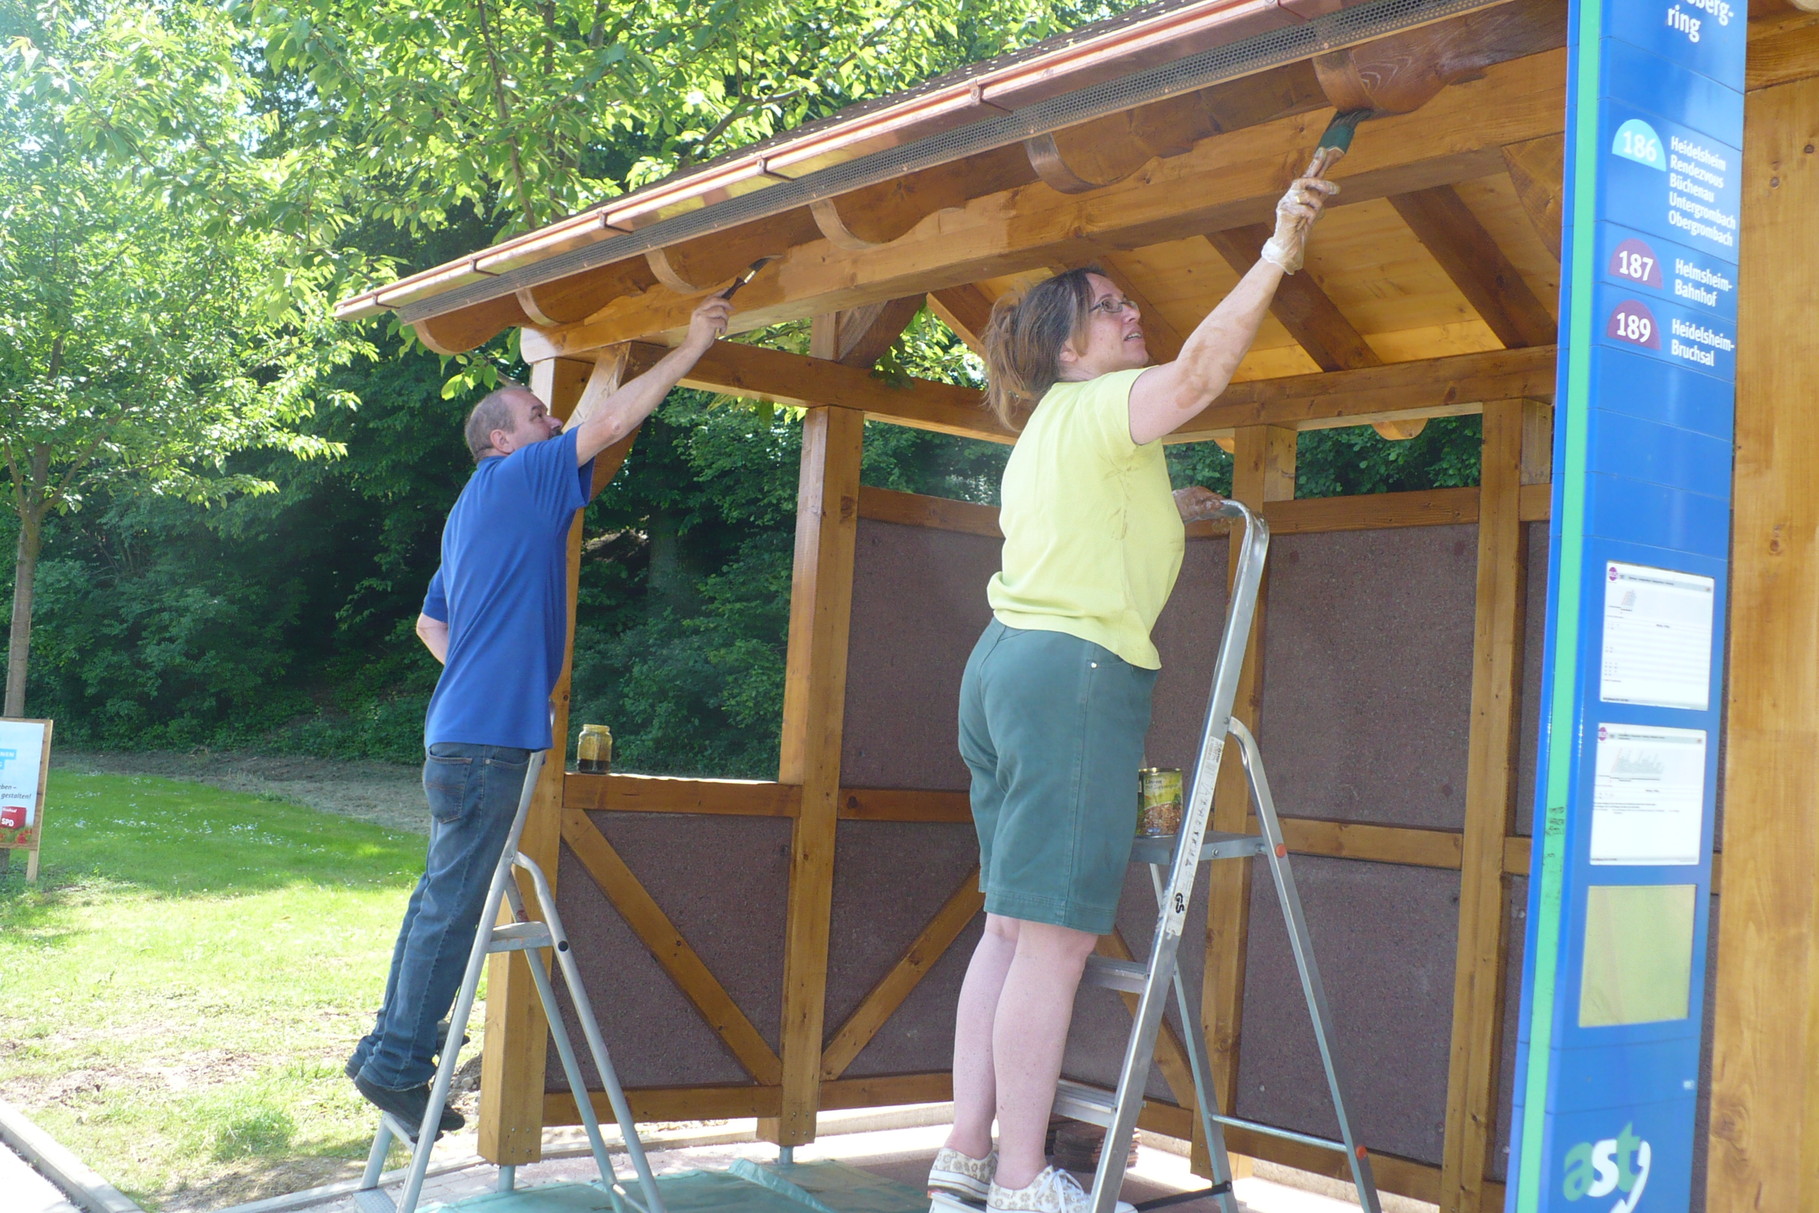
1029 1036
975 1088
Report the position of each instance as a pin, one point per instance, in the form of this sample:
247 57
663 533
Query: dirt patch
385 793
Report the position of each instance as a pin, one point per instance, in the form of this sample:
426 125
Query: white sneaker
1053 1191
961 1176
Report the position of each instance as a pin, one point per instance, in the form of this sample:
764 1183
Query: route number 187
1635 266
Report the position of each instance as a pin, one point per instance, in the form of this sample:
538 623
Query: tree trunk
19 641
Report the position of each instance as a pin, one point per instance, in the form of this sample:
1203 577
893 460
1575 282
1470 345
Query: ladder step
372 1200
1215 844
1094 1105
519 937
1110 973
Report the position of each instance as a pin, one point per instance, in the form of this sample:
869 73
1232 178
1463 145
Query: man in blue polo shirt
496 616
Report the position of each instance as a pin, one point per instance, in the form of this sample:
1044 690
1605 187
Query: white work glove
1295 215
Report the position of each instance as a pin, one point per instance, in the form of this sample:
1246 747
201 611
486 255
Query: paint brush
1336 141
750 272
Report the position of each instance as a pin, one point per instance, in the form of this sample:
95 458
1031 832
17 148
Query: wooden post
1489 793
517 1036
1263 470
814 704
1764 1144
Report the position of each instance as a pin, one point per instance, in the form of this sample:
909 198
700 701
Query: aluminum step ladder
1152 980
521 934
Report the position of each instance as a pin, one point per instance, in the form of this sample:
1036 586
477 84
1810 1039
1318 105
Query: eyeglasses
1114 305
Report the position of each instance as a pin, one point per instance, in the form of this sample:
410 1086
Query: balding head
494 412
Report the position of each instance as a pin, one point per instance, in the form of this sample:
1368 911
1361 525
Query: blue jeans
473 793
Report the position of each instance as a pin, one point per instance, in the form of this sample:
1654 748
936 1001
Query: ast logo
1617 1164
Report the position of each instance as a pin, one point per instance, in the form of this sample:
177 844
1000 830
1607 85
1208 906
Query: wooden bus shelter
772 949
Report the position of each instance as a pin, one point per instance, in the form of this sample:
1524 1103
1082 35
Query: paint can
594 750
1158 802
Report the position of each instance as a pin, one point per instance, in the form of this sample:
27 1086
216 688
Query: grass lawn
178 993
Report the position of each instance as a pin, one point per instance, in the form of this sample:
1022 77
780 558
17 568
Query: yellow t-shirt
1092 538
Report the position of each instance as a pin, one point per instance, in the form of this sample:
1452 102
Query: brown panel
1368 687
721 881
889 879
1383 936
1187 637
918 606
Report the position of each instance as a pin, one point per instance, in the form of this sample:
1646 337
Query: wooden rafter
1480 269
1306 311
1311 318
1433 387
710 262
881 214
1537 169
1224 182
965 309
860 336
669 948
798 379
579 296
1409 388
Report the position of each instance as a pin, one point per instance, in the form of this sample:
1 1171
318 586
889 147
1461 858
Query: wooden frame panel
1764 1143
814 700
516 1041
1490 787
659 935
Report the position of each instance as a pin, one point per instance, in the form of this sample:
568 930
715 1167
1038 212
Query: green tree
149 330
528 110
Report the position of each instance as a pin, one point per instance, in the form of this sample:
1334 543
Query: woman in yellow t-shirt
1055 701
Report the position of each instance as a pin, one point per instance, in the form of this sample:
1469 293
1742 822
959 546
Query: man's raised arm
603 417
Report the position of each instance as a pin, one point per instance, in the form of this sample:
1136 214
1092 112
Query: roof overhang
1148 55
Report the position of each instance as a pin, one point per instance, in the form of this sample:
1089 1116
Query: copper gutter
1124 46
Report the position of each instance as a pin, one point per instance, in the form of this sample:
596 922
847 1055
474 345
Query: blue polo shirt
503 591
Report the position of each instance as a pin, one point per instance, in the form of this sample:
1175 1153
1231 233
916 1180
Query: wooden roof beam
708 263
1307 312
1079 159
1436 387
1433 387
1537 170
579 296
803 381
1222 183
860 336
1480 269
1402 72
1313 320
966 310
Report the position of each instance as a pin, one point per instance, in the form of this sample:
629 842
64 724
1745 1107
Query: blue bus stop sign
1607 1066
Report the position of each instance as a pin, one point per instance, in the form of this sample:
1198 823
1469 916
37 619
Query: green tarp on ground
818 1187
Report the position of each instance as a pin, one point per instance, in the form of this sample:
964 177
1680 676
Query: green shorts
1052 729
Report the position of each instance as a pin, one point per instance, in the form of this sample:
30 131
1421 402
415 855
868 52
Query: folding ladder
1182 856
522 934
